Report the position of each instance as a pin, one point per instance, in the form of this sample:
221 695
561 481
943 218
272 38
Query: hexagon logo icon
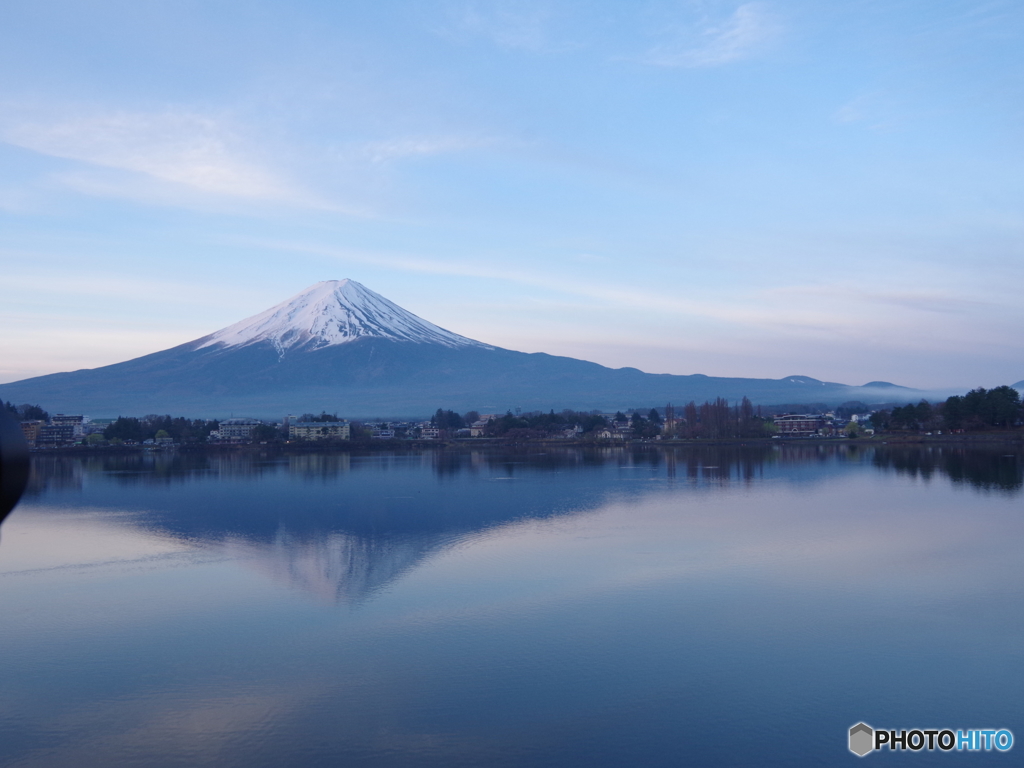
862 738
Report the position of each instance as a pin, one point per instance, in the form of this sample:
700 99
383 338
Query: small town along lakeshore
979 417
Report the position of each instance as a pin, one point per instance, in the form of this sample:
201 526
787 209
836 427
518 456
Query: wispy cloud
180 147
591 258
70 283
877 111
419 146
825 314
851 112
712 43
943 302
742 308
512 24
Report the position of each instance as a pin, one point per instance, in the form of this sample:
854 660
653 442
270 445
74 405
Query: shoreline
475 443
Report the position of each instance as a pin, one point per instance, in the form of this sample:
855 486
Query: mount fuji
340 347
332 313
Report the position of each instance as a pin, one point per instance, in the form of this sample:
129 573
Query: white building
319 430
236 430
77 423
478 428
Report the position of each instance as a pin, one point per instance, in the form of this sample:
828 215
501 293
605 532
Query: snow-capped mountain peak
329 313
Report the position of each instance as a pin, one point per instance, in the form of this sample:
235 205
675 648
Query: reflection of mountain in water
336 566
342 525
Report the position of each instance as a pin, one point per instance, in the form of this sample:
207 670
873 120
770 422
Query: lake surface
731 606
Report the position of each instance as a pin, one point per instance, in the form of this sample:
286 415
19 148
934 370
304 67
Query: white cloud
851 112
939 301
68 283
741 308
423 146
591 258
199 152
521 24
744 33
878 111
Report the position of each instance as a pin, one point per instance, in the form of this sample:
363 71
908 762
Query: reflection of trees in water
509 463
54 473
549 459
996 468
982 467
125 469
986 468
721 460
719 465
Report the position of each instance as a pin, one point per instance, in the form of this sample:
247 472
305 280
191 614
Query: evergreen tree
32 412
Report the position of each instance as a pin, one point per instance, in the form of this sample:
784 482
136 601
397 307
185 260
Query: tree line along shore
979 414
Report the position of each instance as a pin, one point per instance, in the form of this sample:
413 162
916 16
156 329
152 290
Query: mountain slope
341 347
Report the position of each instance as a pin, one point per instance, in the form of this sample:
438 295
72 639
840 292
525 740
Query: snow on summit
329 313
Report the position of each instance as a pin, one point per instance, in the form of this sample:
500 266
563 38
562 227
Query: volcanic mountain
340 347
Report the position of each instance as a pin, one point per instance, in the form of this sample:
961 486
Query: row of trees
180 429
324 417
450 420
718 419
539 424
979 409
26 412
711 420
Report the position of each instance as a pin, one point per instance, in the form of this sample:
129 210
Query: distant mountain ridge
340 347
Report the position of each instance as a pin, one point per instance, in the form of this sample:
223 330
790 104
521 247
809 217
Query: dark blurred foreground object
13 464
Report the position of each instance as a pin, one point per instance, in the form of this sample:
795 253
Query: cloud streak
180 147
184 148
389 150
510 24
823 311
743 34
942 302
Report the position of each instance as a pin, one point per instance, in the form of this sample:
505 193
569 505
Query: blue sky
738 189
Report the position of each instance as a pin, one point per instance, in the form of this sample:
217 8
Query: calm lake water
706 607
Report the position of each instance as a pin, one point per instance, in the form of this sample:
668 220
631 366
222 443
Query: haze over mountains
340 347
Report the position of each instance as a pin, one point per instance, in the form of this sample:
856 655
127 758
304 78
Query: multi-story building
319 430
55 435
30 429
797 424
77 423
237 430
